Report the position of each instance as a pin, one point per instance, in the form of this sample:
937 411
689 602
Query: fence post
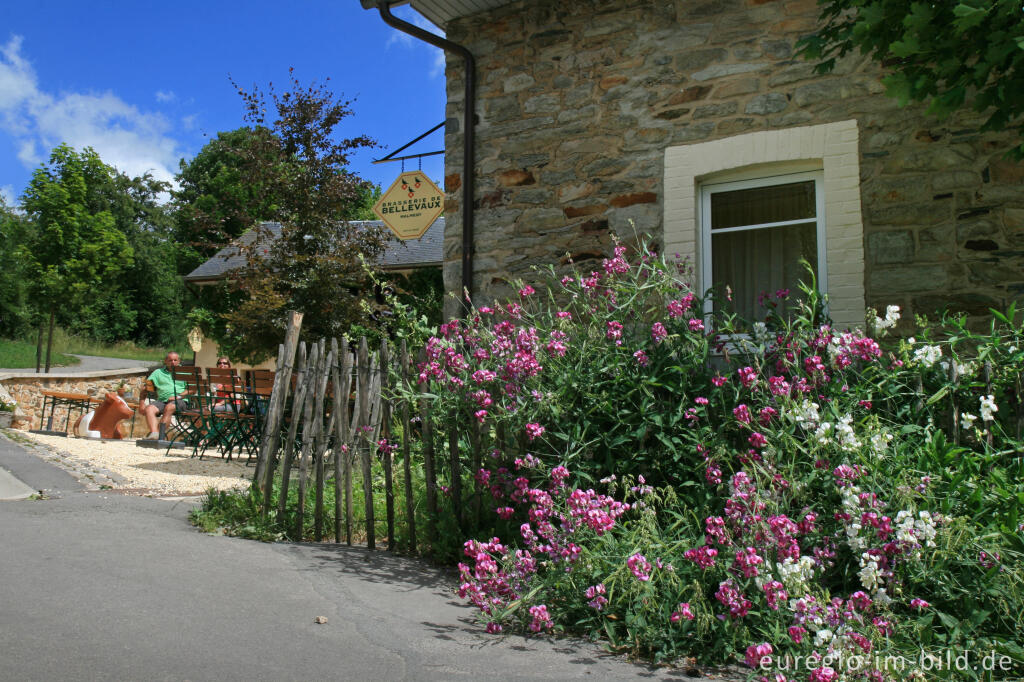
364 423
301 385
307 441
385 429
456 473
988 391
410 506
342 384
953 380
318 443
428 458
271 436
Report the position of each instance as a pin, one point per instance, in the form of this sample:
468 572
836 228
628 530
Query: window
755 234
829 152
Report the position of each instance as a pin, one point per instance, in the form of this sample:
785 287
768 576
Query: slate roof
426 251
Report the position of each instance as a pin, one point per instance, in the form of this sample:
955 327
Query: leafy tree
946 53
214 203
316 265
15 313
76 247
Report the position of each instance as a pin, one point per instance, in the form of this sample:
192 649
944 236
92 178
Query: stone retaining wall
578 101
26 389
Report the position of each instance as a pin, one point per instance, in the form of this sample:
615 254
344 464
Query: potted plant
122 388
7 413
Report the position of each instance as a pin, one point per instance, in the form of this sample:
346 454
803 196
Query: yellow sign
410 205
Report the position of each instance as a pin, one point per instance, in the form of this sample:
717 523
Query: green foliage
810 449
316 265
215 203
943 53
15 312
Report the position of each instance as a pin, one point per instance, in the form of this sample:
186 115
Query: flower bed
819 504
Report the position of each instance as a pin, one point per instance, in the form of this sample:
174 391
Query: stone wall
26 389
577 103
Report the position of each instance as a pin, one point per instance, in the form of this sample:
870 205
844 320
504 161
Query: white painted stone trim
831 147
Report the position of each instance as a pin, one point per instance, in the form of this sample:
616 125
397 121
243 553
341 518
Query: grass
22 353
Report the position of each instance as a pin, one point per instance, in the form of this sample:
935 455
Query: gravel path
105 464
90 363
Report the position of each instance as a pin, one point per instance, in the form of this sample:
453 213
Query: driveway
90 363
113 587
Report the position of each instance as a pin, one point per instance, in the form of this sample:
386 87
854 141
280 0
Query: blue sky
147 84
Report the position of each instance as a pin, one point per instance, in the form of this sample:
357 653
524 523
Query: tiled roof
398 255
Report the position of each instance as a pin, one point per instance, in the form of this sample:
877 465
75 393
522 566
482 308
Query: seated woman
222 393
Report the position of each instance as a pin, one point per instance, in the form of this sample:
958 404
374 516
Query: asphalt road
89 363
100 586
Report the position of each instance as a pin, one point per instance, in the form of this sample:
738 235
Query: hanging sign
410 205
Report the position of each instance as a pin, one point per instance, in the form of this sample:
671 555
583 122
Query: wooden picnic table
73 401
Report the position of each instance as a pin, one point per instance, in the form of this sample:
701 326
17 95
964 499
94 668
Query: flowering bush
771 493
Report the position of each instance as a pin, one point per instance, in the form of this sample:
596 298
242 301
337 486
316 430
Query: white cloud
133 141
8 195
405 40
165 96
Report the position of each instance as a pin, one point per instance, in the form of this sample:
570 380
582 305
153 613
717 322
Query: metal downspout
468 128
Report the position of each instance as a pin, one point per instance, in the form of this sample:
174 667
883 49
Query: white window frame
708 189
831 147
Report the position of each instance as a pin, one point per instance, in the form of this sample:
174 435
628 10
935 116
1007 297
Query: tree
214 204
945 53
15 313
76 246
318 263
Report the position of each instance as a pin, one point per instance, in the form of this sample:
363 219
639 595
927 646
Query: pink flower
480 415
759 656
919 604
504 512
640 567
748 377
527 291
742 414
641 358
682 611
614 332
541 619
595 595
563 315
823 674
696 325
533 430
796 633
493 628
757 440
658 332
718 381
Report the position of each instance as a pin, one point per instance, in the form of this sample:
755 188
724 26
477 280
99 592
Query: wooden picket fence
333 405
331 410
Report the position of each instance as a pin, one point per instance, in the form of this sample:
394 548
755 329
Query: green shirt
166 386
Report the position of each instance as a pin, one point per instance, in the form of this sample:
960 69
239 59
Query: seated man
164 404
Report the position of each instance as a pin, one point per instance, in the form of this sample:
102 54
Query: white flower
806 415
879 442
892 316
760 332
870 576
927 355
968 419
988 408
822 637
844 434
821 434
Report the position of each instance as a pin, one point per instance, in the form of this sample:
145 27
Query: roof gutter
468 132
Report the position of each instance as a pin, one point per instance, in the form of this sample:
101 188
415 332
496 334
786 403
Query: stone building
695 122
